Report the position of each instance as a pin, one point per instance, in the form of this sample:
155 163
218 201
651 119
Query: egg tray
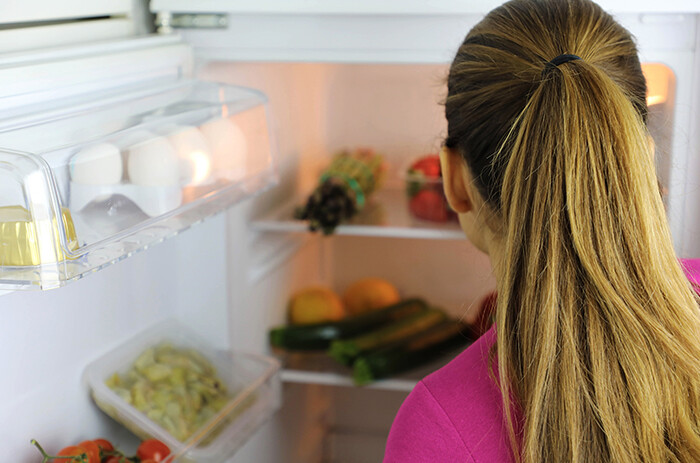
152 200
128 169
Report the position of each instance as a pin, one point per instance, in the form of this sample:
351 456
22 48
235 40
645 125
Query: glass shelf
89 181
385 215
319 368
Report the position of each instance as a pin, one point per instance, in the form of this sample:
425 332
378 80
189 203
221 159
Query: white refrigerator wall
48 337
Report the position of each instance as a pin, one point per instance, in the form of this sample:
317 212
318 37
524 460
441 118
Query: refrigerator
223 259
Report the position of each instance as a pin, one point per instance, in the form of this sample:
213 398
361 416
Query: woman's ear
455 181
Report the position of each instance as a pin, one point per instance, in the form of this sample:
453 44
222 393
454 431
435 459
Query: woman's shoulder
454 413
468 392
468 372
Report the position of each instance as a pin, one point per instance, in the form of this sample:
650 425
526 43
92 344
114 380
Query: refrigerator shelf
88 181
318 368
385 215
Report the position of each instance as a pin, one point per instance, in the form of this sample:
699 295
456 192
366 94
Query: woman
594 356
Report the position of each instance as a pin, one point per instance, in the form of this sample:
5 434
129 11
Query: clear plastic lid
172 386
91 180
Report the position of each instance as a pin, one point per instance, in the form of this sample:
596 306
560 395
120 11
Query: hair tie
561 59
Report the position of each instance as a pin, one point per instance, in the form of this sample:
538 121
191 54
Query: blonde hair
597 326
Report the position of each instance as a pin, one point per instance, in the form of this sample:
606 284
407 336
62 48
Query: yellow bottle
22 239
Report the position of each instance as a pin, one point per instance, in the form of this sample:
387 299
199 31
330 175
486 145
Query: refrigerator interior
319 109
231 282
316 110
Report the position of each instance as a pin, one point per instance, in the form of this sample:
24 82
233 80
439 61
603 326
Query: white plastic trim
48 10
396 7
35 77
32 38
279 249
397 38
335 379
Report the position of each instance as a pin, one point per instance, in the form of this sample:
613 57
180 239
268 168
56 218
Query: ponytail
597 327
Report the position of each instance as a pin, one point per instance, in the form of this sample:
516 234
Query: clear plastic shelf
91 180
386 215
319 368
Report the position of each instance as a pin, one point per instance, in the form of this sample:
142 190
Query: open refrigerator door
109 147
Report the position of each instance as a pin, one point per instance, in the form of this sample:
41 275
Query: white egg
99 164
194 154
229 148
153 162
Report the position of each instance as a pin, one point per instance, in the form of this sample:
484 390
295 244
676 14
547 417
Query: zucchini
346 350
401 356
318 336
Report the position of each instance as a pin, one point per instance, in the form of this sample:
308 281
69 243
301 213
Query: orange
315 305
369 294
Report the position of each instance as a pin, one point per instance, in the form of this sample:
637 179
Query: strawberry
429 205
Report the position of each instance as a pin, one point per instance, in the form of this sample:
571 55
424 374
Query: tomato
104 444
71 451
152 449
117 459
92 450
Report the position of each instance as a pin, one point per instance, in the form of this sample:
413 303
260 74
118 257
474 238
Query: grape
330 204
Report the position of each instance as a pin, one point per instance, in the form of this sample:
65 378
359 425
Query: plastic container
424 190
88 181
252 382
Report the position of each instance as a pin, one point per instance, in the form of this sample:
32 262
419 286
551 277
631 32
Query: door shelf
385 215
88 181
318 368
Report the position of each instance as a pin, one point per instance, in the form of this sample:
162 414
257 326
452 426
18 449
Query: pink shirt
691 267
456 415
453 415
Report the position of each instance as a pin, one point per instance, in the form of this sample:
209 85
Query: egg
194 155
153 162
229 148
99 164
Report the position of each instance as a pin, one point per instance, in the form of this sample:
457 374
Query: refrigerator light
660 80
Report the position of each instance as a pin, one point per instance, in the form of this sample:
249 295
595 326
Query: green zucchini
410 353
318 336
346 350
